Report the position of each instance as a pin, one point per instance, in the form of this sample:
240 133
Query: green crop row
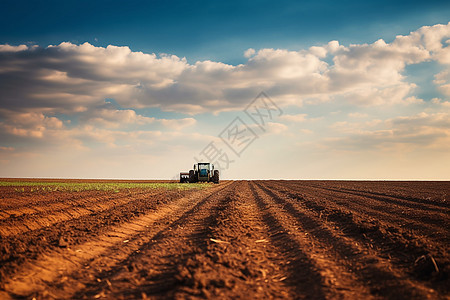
28 186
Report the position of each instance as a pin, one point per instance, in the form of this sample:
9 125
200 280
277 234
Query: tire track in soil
153 269
415 203
402 250
55 201
306 275
14 250
240 263
397 235
368 269
433 195
396 217
56 273
342 208
36 218
32 202
21 200
435 219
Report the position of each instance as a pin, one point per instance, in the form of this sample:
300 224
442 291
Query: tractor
202 172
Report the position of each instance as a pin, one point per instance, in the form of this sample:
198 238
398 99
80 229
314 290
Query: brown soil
238 239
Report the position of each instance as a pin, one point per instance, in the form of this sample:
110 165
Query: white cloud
67 78
276 128
369 96
306 131
442 80
114 118
178 123
29 124
358 115
111 117
423 130
320 52
333 47
433 37
294 118
9 48
249 52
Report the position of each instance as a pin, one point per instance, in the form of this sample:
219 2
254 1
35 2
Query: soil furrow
31 200
397 217
16 249
406 201
153 269
409 252
239 262
361 261
439 213
32 219
54 274
429 193
62 203
308 279
413 253
272 239
319 202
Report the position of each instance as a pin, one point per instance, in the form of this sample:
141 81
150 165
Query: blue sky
137 89
216 30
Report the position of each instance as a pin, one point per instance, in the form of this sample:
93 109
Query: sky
263 89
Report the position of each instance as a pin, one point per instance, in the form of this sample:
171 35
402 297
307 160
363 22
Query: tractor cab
202 172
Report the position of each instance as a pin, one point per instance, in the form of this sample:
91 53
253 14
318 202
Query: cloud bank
69 78
83 95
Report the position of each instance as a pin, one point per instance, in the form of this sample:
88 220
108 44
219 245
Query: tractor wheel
191 176
216 176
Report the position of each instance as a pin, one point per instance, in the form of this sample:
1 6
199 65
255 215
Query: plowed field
238 239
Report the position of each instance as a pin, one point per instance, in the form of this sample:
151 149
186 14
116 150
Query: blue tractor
202 172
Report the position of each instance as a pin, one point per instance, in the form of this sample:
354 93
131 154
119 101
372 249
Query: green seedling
116 187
